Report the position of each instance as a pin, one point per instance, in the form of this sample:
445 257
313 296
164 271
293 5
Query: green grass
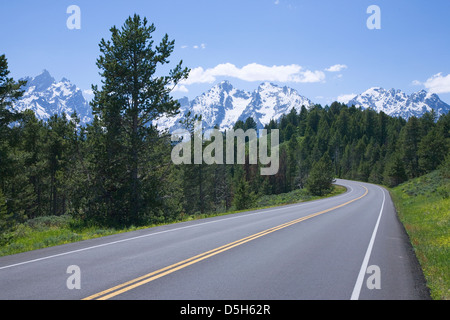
423 206
51 231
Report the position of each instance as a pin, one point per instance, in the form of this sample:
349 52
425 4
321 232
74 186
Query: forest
117 170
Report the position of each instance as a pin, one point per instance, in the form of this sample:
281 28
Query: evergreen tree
250 124
432 150
302 118
14 185
10 91
445 167
33 136
5 219
395 172
321 177
292 169
288 132
132 96
243 197
410 139
239 125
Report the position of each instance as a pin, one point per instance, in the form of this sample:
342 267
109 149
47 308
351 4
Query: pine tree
432 150
321 177
302 118
395 172
243 197
132 96
410 139
15 194
5 219
292 168
33 136
250 123
10 91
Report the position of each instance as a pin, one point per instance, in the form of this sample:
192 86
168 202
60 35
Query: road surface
349 246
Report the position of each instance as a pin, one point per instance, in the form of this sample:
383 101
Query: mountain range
396 103
223 105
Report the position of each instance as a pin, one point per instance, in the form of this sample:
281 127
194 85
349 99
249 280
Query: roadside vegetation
423 206
50 231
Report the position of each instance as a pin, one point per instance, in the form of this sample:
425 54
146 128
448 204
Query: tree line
117 170
361 144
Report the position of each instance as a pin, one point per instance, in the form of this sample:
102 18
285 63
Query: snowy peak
397 103
45 96
225 86
42 81
223 105
270 101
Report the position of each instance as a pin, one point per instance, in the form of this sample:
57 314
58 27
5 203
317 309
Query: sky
327 50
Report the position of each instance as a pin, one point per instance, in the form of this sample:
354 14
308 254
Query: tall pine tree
132 96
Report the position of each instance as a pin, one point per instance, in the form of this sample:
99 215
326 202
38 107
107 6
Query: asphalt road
346 247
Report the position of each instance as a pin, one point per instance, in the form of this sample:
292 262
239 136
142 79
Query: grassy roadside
51 231
423 206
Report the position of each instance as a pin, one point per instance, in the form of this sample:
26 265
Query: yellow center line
129 285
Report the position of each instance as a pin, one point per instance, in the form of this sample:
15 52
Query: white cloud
202 46
336 68
277 2
180 88
344 98
437 83
255 72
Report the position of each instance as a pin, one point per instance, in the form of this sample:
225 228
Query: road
350 246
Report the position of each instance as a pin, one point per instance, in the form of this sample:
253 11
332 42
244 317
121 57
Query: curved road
346 247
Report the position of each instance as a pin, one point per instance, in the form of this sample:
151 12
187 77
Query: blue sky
322 48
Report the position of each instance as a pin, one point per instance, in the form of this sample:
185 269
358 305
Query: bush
41 223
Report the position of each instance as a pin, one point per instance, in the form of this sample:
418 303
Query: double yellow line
129 285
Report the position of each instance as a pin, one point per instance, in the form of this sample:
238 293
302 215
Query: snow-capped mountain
223 105
45 96
270 101
397 103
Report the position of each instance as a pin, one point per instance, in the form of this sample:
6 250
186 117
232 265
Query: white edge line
156 233
362 271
